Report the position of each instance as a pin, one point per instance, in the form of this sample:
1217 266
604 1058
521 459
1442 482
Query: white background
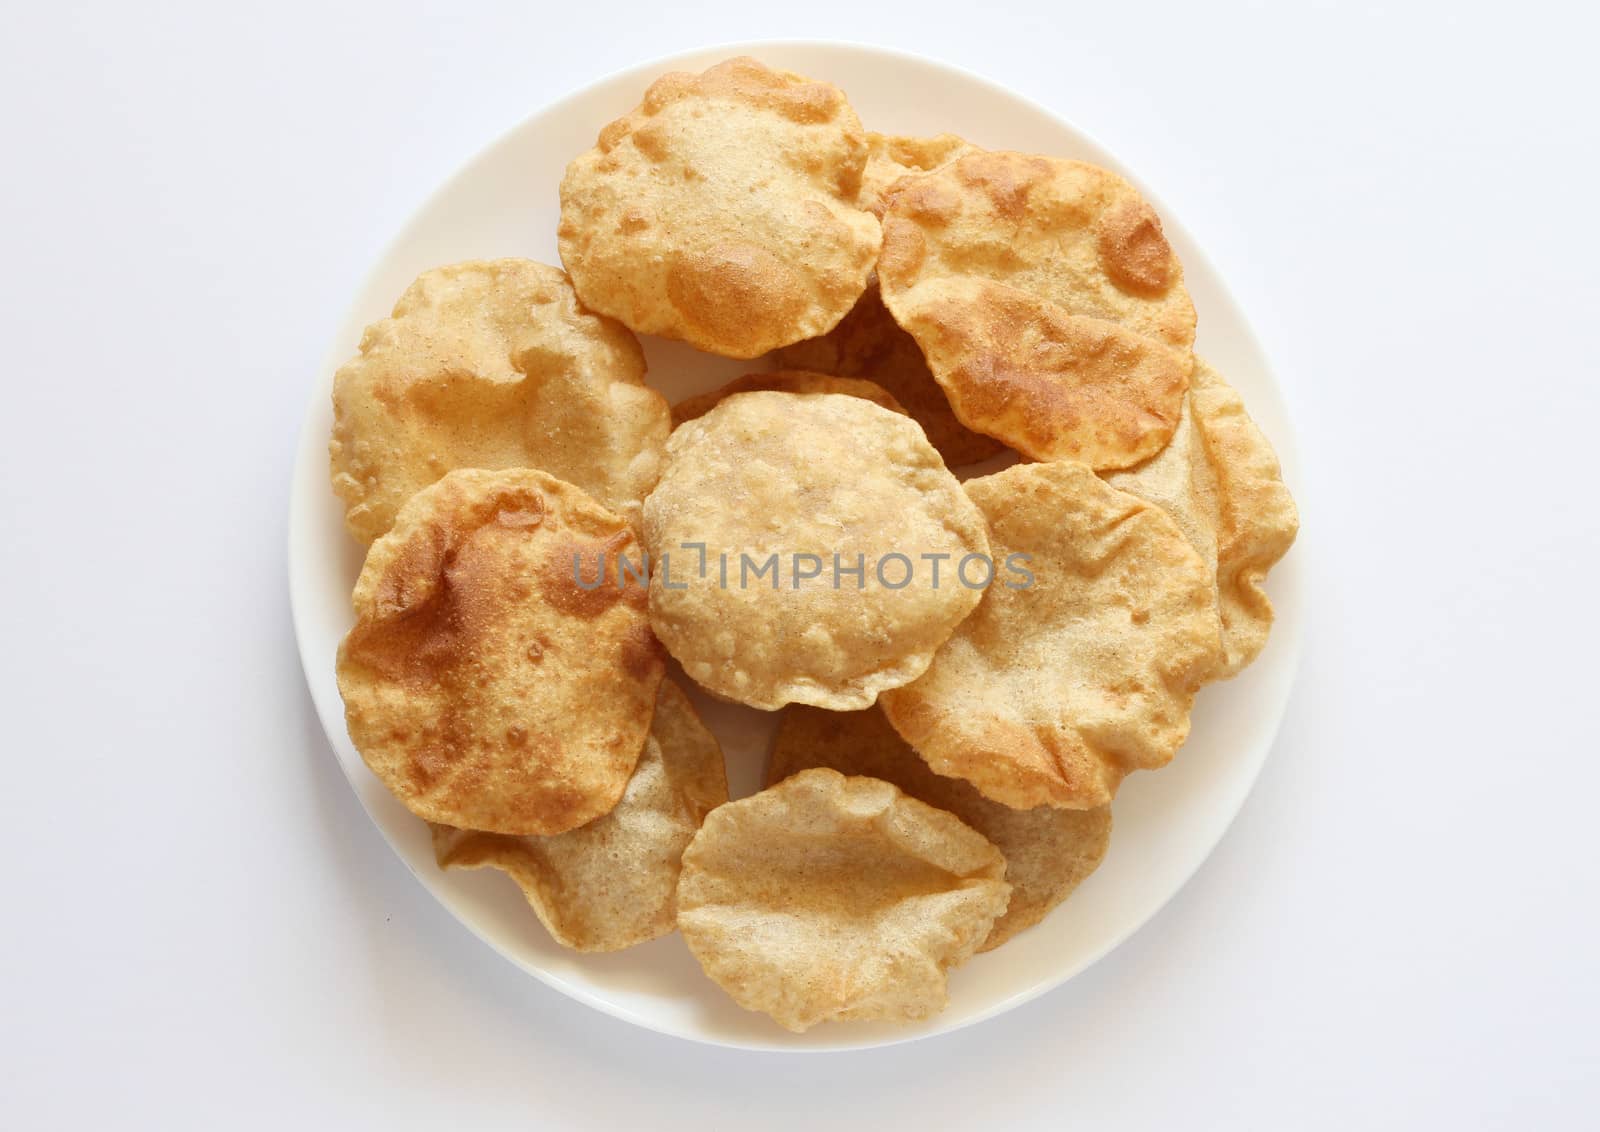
201 929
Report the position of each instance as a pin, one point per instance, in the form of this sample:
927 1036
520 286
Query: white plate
504 203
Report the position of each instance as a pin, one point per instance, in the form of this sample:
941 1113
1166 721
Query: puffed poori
762 500
492 364
723 211
482 683
1048 852
828 897
1051 692
1047 301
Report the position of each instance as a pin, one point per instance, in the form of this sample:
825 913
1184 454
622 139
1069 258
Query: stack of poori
544 530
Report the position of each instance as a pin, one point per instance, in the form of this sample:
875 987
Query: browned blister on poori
613 882
492 364
485 681
1047 301
893 156
1048 851
1064 681
834 898
723 211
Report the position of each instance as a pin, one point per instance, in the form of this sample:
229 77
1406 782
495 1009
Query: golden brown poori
1057 687
762 501
1047 302
483 682
1048 852
723 211
492 364
831 898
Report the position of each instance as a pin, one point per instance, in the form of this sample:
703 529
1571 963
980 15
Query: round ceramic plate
504 203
